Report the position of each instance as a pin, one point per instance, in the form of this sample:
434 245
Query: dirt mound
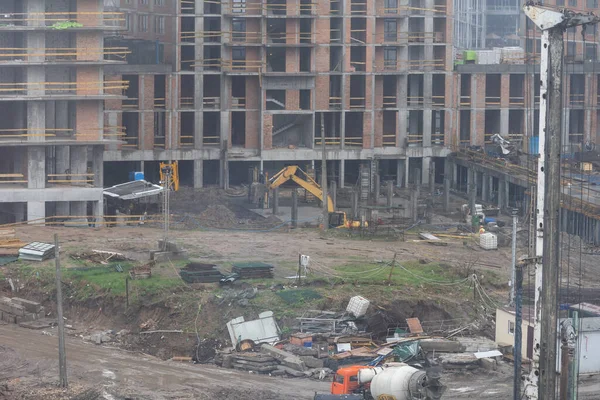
218 215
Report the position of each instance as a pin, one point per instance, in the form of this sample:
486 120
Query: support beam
198 174
294 208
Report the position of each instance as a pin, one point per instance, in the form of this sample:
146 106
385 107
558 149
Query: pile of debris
142 271
20 311
253 270
36 251
218 216
200 273
9 243
99 256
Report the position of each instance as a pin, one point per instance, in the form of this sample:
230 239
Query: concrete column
399 172
406 171
36 168
333 193
414 204
427 126
35 211
342 173
376 188
431 177
390 193
447 182
501 194
198 174
275 201
354 196
597 232
294 208
98 211
98 165
504 113
484 187
78 162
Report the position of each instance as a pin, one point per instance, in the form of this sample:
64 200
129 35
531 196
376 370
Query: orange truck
393 381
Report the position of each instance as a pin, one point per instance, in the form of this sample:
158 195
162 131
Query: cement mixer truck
392 381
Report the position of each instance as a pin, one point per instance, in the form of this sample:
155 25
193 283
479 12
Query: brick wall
146 86
368 58
451 90
291 60
367 130
252 93
322 28
322 92
147 135
88 119
378 128
368 91
252 138
379 31
252 28
113 104
89 81
346 90
478 137
90 6
322 59
378 101
378 59
89 46
478 90
450 134
267 131
253 7
504 90
292 99
292 29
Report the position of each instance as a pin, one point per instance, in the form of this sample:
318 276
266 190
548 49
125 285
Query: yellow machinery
169 175
294 173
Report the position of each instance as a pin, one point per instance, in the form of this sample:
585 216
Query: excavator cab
337 219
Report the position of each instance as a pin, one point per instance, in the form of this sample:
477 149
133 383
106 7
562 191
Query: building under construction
52 91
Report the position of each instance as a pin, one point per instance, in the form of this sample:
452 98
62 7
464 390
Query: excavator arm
306 182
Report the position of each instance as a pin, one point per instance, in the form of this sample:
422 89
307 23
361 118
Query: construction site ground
428 281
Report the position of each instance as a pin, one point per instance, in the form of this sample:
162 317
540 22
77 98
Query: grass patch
298 296
406 273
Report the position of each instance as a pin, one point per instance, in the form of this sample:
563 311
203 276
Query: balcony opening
335 7
357 91
439 58
389 128
439 30
211 128
212 58
414 90
358 30
188 58
187 91
438 120
305 103
516 123
465 89
276 30
516 89
354 129
210 7
576 121
577 90
465 127
276 59
131 124
188 29
212 30
415 128
212 91
277 7
438 90
390 30
358 55
160 129
189 7
132 92
492 89
335 91
305 59
238 92
390 58
306 31
335 30
275 99
335 59
292 130
416 30
390 91
160 89
492 124
187 126
238 128
416 57
306 7
238 29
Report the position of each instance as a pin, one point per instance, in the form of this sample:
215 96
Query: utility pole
511 300
517 348
541 382
167 172
62 355
324 176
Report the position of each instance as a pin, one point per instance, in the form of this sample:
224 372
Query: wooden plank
414 325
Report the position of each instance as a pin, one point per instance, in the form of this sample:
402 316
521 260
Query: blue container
487 220
136 176
534 145
308 344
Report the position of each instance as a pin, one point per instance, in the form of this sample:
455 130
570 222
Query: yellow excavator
337 219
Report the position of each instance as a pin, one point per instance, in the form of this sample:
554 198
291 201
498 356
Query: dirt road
31 355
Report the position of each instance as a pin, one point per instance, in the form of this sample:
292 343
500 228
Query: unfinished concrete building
253 80
52 89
